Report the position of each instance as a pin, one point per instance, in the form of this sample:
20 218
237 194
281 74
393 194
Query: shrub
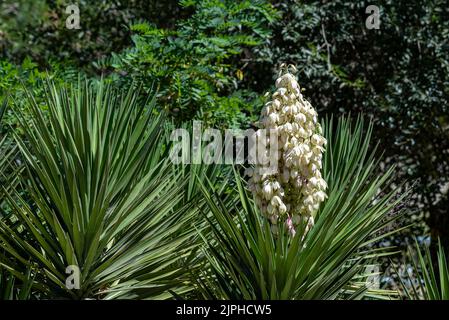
196 66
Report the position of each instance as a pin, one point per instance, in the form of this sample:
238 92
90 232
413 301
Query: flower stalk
292 194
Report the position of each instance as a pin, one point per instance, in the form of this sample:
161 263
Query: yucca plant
3 156
104 199
248 261
10 287
7 153
10 164
430 280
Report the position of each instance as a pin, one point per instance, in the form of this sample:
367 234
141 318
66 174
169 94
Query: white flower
322 184
282 208
267 191
276 104
300 118
282 92
275 185
309 200
287 127
317 150
294 193
294 109
317 140
302 133
276 201
274 118
320 196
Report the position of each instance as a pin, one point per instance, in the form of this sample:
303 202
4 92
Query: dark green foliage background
213 60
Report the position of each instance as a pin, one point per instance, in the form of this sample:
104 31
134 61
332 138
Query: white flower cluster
293 192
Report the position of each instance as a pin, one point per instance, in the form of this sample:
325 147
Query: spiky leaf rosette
103 197
335 258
